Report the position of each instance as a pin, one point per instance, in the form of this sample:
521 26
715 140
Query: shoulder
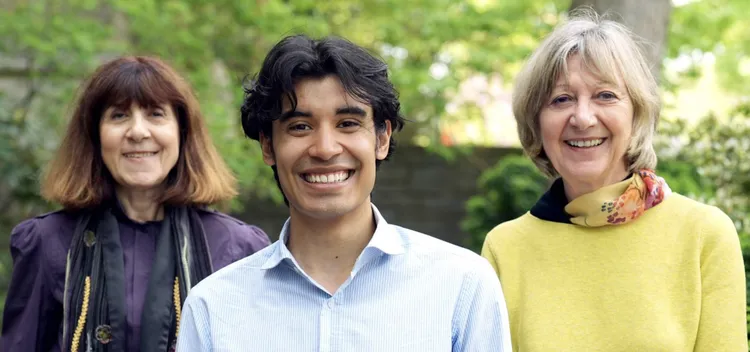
219 220
42 243
440 255
708 220
421 243
715 228
677 204
450 265
216 223
234 279
53 225
513 230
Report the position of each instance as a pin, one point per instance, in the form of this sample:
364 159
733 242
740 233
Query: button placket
325 325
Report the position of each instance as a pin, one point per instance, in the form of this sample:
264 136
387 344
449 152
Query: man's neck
328 248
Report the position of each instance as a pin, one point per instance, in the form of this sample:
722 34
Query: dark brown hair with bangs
77 177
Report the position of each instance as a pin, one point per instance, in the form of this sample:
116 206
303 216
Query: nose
325 145
584 116
138 129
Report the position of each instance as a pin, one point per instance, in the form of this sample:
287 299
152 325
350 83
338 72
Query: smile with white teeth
585 144
333 177
139 155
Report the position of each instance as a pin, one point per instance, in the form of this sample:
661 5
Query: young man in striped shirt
340 278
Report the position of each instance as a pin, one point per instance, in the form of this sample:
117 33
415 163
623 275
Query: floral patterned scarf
619 203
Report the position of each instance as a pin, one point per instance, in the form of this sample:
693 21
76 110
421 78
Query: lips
328 178
588 143
135 155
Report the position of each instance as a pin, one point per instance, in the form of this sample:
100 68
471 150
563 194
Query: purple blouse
39 246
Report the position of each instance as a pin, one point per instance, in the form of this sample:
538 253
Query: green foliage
19 164
721 150
683 177
506 191
215 44
718 27
714 159
48 47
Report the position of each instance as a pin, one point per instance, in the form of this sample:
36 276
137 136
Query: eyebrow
597 84
347 110
351 110
293 113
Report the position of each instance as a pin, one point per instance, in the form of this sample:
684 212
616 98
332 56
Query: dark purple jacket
39 246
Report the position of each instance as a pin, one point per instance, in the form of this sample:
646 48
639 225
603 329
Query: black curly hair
299 57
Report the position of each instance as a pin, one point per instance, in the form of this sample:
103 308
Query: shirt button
331 303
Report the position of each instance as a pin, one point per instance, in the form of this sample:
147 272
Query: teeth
585 144
139 155
340 176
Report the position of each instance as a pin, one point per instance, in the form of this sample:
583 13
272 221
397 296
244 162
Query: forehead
591 70
135 105
323 95
136 84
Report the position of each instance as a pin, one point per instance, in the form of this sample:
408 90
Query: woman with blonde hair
609 259
135 174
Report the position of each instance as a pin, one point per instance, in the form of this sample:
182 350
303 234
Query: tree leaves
717 27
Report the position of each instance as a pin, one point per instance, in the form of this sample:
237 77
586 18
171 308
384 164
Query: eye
299 127
562 100
607 95
158 113
349 124
117 115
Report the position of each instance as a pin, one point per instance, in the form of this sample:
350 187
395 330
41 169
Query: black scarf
95 275
551 206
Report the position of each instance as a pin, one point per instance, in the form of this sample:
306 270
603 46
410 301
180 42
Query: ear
383 141
267 146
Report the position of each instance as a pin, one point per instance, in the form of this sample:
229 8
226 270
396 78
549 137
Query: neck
328 248
141 205
576 188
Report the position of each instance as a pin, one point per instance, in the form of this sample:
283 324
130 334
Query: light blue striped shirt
407 292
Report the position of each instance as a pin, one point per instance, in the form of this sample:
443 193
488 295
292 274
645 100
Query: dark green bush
505 192
683 177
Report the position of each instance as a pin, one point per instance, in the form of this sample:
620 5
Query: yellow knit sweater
672 280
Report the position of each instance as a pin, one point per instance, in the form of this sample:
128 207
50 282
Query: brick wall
415 189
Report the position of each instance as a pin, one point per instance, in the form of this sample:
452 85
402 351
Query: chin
326 208
585 173
602 175
142 184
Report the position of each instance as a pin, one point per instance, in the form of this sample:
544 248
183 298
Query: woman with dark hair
134 173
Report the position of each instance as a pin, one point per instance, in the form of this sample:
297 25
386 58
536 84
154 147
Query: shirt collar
385 239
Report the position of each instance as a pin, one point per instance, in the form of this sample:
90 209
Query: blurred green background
453 63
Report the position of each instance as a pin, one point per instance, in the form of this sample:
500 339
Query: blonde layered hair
610 51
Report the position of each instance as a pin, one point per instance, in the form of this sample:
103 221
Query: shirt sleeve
481 321
723 320
31 317
195 333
